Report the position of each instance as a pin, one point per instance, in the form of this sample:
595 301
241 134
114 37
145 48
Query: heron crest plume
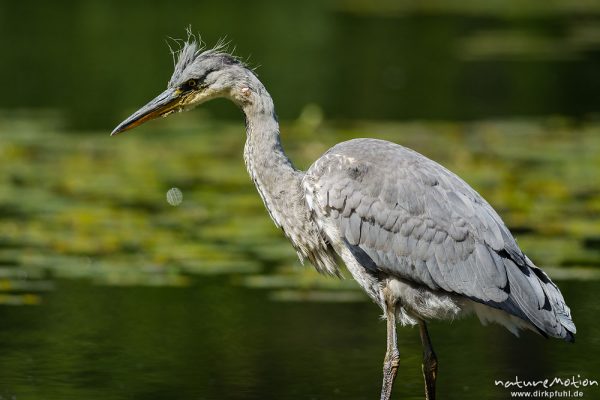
193 52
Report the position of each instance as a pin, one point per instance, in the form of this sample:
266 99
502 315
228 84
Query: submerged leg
430 363
392 356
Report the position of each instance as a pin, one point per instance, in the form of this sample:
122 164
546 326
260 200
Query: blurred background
109 292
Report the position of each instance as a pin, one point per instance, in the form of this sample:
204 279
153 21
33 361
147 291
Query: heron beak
164 104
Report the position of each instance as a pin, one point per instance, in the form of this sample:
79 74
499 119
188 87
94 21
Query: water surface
217 340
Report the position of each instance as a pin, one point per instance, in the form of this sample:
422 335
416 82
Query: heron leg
430 363
392 356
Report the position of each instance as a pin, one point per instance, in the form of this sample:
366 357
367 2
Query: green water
372 59
218 340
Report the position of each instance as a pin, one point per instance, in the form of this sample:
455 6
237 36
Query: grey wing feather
405 215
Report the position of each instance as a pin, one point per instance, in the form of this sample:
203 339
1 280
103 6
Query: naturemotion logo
557 387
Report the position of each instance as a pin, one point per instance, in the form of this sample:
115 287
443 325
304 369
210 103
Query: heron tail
539 300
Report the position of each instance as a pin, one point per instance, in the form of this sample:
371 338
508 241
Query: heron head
198 76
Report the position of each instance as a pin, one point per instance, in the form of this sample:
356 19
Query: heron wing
402 214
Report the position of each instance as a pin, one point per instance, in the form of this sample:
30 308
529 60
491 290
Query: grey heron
417 238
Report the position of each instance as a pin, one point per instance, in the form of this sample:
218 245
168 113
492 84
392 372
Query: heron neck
274 175
279 183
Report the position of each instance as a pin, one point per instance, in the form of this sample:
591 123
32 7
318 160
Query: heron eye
191 84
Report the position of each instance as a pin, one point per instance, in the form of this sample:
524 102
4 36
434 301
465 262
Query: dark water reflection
217 340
